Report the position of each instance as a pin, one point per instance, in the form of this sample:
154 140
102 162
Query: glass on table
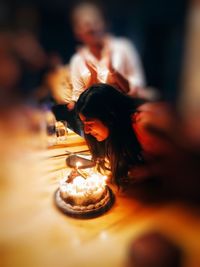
50 125
61 130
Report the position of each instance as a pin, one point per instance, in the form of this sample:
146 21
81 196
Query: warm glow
94 181
78 183
78 164
97 179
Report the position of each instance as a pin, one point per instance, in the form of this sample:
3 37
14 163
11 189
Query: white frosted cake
84 193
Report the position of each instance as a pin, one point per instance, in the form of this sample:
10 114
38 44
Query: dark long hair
114 110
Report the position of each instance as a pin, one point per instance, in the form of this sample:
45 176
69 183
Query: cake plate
84 214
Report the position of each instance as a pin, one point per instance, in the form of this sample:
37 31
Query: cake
83 194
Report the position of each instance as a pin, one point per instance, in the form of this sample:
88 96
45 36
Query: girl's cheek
87 129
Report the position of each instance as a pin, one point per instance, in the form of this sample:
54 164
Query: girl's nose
87 129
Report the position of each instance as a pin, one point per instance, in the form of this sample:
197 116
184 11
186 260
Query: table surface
34 232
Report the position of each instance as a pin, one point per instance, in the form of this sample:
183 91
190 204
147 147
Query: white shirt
124 58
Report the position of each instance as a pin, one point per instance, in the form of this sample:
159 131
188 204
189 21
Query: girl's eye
87 128
89 123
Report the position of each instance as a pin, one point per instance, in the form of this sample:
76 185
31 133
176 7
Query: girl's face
95 127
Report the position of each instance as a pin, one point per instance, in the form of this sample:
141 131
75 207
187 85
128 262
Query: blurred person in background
153 249
10 69
23 62
103 57
26 47
57 82
19 121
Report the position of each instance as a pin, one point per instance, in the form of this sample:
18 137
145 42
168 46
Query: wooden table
34 233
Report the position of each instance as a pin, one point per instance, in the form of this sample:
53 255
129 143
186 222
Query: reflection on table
35 233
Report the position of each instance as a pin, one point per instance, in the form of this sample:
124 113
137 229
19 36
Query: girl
116 130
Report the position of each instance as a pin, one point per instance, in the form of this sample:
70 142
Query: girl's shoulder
153 112
148 119
154 107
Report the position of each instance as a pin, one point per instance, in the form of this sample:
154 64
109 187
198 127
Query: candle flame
78 164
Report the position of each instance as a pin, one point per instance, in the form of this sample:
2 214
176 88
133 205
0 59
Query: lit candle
82 173
78 164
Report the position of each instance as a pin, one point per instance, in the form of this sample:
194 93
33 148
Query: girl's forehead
84 118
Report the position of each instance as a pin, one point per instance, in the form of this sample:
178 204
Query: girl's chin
99 138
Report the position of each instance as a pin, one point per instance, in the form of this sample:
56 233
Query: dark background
156 27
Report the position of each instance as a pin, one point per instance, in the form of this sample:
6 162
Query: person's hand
109 62
111 79
92 68
71 105
114 77
111 71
